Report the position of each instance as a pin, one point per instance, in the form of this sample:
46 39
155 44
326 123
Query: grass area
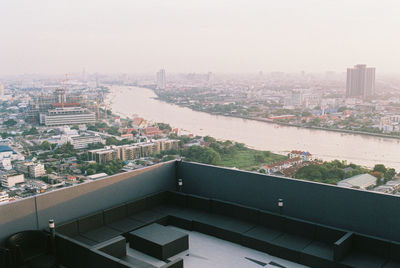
249 159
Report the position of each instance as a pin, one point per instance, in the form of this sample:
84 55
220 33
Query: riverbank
354 132
366 150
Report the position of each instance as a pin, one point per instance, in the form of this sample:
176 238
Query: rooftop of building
265 220
5 148
360 180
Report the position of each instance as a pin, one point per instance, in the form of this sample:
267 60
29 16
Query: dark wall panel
360 211
73 202
17 216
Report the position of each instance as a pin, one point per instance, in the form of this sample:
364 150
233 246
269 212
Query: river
327 145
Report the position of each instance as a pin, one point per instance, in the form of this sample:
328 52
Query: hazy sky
58 36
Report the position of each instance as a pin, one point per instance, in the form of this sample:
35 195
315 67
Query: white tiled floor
208 251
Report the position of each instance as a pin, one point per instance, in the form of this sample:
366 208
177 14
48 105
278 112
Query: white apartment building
10 180
67 116
80 142
36 170
4 197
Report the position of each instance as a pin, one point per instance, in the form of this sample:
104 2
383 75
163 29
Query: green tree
202 155
209 139
10 123
32 131
380 168
259 158
389 174
45 145
163 126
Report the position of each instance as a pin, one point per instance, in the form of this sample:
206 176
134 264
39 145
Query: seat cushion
263 233
101 234
148 216
291 241
363 259
125 225
320 249
44 261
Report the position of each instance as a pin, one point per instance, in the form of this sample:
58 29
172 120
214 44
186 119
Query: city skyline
188 36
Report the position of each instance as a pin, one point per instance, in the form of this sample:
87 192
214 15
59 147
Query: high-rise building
161 80
360 81
1 89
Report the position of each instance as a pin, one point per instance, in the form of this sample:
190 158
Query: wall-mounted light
180 185
280 202
52 228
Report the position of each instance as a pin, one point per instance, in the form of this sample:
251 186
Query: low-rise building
67 116
104 155
361 181
82 141
131 151
152 131
281 165
306 156
9 180
6 163
4 197
33 170
36 170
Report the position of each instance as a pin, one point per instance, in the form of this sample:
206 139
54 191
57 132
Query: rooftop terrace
316 225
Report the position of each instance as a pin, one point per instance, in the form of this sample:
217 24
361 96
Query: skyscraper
1 89
360 81
161 80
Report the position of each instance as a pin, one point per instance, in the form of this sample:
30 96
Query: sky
130 36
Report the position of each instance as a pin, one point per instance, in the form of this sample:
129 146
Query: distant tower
360 82
161 79
1 89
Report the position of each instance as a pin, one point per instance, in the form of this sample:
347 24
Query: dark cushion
115 247
28 245
263 233
320 249
176 198
101 234
197 202
270 220
156 199
147 216
372 246
115 213
395 251
392 264
136 206
85 240
43 261
68 229
167 209
292 241
90 222
235 210
328 235
299 228
362 259
125 225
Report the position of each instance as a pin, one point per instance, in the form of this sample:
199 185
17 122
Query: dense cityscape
191 134
58 132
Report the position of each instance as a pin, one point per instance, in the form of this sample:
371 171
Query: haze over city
197 36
